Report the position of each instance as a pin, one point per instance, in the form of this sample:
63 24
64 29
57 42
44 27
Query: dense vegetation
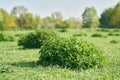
18 63
6 37
36 39
71 53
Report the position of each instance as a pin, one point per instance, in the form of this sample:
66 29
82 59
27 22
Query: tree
74 23
28 20
18 10
19 13
106 17
115 18
37 21
62 25
47 22
6 20
90 17
25 19
57 16
51 21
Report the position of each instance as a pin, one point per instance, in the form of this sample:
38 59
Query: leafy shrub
110 34
114 41
80 34
117 34
97 35
71 53
18 35
36 39
9 38
63 30
114 34
116 30
4 37
1 37
104 30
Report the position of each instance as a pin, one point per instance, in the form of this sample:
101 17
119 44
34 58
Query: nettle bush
36 39
114 34
63 30
70 53
104 30
80 34
1 37
98 35
114 41
5 37
116 30
19 35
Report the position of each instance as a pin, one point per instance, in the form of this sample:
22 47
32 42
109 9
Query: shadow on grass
34 64
31 64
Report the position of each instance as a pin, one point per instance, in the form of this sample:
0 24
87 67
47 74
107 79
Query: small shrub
21 41
4 37
18 35
114 41
97 35
105 36
116 30
104 30
117 34
114 34
9 38
36 39
71 53
63 30
1 37
110 34
80 34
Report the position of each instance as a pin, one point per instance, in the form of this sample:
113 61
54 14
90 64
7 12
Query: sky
68 8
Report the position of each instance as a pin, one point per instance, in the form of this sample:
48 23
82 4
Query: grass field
20 64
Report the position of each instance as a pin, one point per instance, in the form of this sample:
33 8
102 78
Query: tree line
19 17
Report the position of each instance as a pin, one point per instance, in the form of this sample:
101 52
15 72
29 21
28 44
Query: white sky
69 8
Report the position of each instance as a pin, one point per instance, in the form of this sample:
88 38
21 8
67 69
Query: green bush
104 30
70 53
114 41
97 35
36 39
116 30
63 30
1 37
110 34
9 38
80 34
18 35
117 34
114 34
4 37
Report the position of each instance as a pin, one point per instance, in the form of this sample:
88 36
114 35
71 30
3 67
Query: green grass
19 64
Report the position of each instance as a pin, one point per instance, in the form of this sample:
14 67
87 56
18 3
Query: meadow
20 64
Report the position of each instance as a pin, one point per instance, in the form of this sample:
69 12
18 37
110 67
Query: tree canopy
90 17
115 18
106 17
6 20
20 17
